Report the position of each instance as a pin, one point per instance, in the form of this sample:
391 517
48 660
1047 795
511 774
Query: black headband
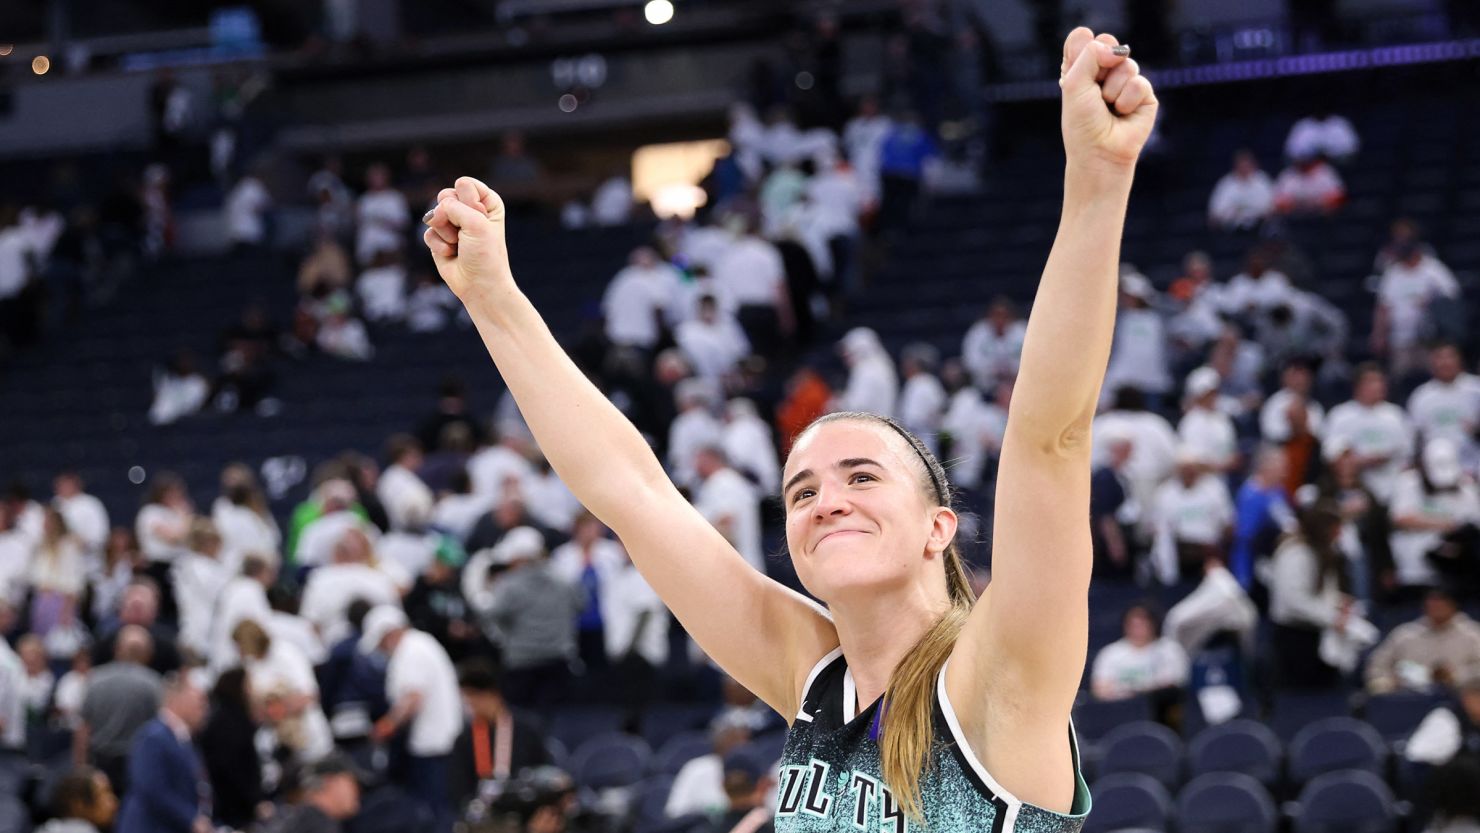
940 490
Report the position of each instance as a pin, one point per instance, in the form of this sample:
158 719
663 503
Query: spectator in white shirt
1257 289
1325 134
1218 605
713 341
1376 430
975 426
243 518
331 588
382 287
1406 295
1153 442
285 689
421 685
730 503
694 428
1278 415
382 215
1205 430
750 280
242 597
922 400
1141 662
1310 186
699 786
246 207
342 335
198 578
86 517
491 468
1403 234
993 345
179 390
863 141
400 489
1435 513
873 385
588 562
1448 405
749 446
638 299
57 577
611 205
1192 516
163 524
1243 198
457 511
1138 357
1307 598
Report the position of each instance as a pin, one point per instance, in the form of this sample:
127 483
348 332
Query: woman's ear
942 530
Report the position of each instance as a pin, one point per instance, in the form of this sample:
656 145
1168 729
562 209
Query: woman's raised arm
761 633
1022 653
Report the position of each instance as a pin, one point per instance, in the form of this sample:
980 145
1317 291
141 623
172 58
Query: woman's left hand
1092 77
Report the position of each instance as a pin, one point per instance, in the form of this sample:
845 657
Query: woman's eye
869 476
801 493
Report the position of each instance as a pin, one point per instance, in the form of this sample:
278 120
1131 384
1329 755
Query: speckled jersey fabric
831 777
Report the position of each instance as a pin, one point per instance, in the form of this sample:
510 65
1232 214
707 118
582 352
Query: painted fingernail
427 217
1122 50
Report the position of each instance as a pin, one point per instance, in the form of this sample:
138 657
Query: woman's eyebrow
848 463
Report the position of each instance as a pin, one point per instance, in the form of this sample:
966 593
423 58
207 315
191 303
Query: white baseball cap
1202 382
379 622
519 543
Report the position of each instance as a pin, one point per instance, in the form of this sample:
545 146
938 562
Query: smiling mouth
836 532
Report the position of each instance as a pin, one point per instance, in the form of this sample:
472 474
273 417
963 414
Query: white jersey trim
1013 804
812 678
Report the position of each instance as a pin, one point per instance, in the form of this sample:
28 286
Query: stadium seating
679 750
610 760
1146 748
1240 746
1336 744
1226 802
1128 800
1346 802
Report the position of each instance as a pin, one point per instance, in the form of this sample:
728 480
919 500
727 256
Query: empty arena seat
1094 718
1334 744
679 750
1396 715
574 724
1129 800
1147 748
611 760
1295 710
1226 802
650 801
1239 746
1346 802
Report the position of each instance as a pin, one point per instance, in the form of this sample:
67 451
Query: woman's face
856 518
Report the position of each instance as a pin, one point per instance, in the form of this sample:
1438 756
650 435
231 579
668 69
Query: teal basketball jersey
831 778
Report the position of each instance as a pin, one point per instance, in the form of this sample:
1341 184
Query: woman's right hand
466 236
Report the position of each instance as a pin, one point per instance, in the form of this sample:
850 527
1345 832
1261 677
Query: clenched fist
466 235
1093 76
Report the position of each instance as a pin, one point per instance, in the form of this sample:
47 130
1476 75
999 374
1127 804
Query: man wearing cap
436 605
530 612
747 778
1205 430
421 686
1138 357
331 794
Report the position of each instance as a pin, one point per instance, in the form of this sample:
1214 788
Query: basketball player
912 705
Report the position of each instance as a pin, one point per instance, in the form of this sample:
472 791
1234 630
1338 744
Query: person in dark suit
168 790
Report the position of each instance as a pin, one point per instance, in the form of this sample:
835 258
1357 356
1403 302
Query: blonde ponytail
909 702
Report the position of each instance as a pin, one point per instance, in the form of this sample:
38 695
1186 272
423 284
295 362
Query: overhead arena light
658 12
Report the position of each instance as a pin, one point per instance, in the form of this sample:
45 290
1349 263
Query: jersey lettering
791 790
818 802
893 816
864 790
